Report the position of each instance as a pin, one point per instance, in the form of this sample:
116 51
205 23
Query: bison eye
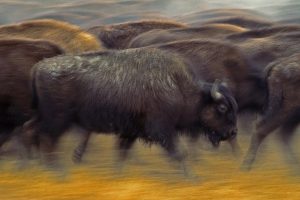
222 108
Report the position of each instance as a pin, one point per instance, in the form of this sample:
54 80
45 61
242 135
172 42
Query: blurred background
86 12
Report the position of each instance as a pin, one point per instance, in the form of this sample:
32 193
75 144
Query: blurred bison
70 37
16 60
245 18
263 46
139 93
245 22
283 107
264 32
118 36
159 36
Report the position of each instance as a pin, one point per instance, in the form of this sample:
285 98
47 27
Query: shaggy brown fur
209 60
118 36
264 46
212 59
283 108
157 36
17 56
70 37
145 94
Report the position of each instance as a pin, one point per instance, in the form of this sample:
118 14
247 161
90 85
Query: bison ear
215 93
224 83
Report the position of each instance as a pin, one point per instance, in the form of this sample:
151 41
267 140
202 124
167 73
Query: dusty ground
149 175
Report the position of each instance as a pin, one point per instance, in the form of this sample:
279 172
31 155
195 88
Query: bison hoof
246 166
237 153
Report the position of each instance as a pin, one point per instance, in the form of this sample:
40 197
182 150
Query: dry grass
148 175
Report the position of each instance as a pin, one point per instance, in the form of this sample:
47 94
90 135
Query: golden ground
149 175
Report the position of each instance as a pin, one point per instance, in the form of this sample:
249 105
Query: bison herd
152 80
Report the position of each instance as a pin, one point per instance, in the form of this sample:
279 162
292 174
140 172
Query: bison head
219 113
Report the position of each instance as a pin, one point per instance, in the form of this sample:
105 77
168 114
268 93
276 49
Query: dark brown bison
263 46
159 36
17 56
118 36
209 60
138 93
70 37
275 30
283 107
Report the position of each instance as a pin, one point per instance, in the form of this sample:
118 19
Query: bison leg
193 148
81 148
172 151
124 145
264 129
48 145
235 147
161 130
45 135
5 136
28 138
286 133
274 116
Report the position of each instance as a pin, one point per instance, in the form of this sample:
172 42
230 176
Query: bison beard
138 93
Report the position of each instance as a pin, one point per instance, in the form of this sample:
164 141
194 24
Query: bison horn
216 95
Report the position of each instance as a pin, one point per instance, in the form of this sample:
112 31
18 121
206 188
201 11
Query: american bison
70 37
283 107
118 36
17 56
208 60
212 59
158 36
137 93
